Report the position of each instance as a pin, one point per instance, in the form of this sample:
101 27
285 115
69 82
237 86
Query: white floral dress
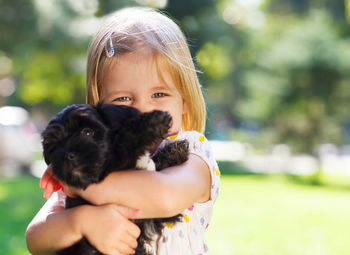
187 237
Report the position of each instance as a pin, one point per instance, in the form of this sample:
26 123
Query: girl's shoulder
191 136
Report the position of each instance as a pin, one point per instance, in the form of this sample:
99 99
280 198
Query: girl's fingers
124 249
49 189
129 213
130 241
43 182
49 182
124 246
134 230
57 187
52 186
46 177
47 193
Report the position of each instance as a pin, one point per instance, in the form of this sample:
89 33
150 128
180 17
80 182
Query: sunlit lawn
20 198
255 214
274 215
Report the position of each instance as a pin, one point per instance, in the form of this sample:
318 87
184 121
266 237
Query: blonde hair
136 29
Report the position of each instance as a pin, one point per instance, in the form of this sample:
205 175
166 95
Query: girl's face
135 81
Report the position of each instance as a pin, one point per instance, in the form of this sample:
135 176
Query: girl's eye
122 99
158 94
87 132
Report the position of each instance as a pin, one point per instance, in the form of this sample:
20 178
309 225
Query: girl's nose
143 106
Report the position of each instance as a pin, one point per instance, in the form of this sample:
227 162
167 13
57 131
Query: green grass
20 198
268 215
254 214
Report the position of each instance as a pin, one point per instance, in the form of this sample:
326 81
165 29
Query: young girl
139 58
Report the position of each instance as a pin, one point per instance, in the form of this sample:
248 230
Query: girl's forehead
146 70
150 65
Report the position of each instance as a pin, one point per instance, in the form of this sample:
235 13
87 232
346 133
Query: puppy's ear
46 149
52 137
46 158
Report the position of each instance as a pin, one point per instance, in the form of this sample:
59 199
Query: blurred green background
276 77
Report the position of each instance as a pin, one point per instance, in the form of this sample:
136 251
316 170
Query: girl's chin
173 132
152 148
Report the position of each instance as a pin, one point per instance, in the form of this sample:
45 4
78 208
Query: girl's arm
39 234
157 194
106 227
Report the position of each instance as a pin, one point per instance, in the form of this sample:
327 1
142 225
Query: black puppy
85 143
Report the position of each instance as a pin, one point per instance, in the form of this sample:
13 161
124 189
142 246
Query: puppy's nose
70 156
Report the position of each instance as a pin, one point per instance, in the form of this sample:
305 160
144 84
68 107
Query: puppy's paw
172 154
161 123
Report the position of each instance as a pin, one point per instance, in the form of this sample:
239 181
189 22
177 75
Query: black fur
85 143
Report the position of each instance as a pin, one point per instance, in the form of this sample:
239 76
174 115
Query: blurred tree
45 54
282 80
273 71
16 22
302 7
347 10
17 26
299 84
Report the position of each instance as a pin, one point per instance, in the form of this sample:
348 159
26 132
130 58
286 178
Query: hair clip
110 50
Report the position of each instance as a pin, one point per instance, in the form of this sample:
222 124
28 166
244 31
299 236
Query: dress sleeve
200 146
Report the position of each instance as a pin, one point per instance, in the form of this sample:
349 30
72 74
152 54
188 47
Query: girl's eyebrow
161 87
119 92
114 94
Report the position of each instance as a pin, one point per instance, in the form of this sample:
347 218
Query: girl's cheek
175 128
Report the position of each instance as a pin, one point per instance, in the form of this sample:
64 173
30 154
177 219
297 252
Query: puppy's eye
87 132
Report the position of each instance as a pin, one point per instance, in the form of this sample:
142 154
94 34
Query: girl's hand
109 230
49 182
